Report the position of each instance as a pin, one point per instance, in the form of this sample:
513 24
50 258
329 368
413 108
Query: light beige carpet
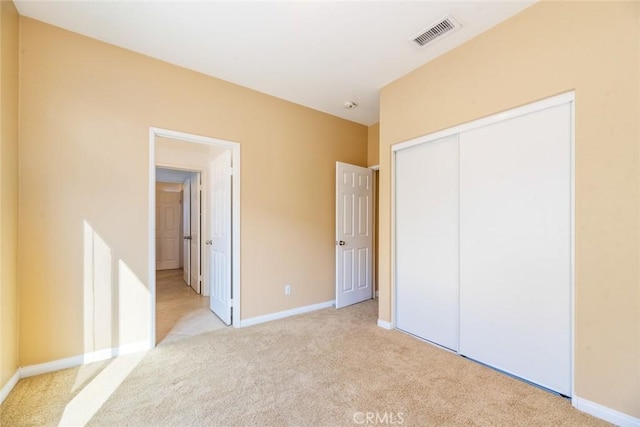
327 368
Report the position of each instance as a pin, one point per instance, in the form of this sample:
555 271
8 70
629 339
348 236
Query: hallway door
196 278
167 226
354 234
219 244
186 232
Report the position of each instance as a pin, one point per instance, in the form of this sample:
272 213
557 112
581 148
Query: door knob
187 237
208 242
341 243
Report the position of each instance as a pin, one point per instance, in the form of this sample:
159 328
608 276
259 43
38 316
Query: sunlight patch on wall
97 292
133 306
116 303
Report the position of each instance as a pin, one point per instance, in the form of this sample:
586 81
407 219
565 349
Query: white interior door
186 231
426 208
515 243
167 226
195 232
354 234
219 244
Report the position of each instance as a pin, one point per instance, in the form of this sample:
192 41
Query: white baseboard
71 362
56 365
109 353
134 348
384 324
286 313
6 389
615 417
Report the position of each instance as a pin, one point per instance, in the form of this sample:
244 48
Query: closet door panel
515 247
426 236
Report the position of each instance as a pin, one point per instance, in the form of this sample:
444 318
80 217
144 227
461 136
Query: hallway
180 312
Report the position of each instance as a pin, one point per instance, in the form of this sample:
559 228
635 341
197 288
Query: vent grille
438 29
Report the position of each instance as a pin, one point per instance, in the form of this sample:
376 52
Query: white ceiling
314 53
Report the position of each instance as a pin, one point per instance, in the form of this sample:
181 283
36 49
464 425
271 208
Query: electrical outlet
287 289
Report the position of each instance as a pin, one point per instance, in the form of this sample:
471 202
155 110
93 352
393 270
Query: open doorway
182 309
207 170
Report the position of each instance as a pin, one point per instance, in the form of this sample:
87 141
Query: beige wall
86 108
548 49
8 191
373 145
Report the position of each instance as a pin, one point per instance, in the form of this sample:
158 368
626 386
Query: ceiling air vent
436 30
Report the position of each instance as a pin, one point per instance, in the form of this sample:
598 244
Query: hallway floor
180 312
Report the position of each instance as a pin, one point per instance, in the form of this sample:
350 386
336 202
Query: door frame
234 147
553 101
186 219
374 234
201 211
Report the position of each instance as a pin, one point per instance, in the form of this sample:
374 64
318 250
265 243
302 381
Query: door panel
168 226
186 231
426 188
219 244
354 234
195 232
515 246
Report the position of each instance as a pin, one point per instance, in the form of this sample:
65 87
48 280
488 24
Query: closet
483 241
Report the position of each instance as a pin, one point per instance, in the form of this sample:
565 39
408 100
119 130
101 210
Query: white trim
565 98
604 413
375 177
183 136
572 243
377 294
151 231
235 234
392 241
6 389
83 359
235 215
384 324
56 365
286 313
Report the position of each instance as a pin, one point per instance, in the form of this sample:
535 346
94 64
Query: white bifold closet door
426 237
515 250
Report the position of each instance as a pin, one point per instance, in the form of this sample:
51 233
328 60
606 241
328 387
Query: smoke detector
435 31
350 105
